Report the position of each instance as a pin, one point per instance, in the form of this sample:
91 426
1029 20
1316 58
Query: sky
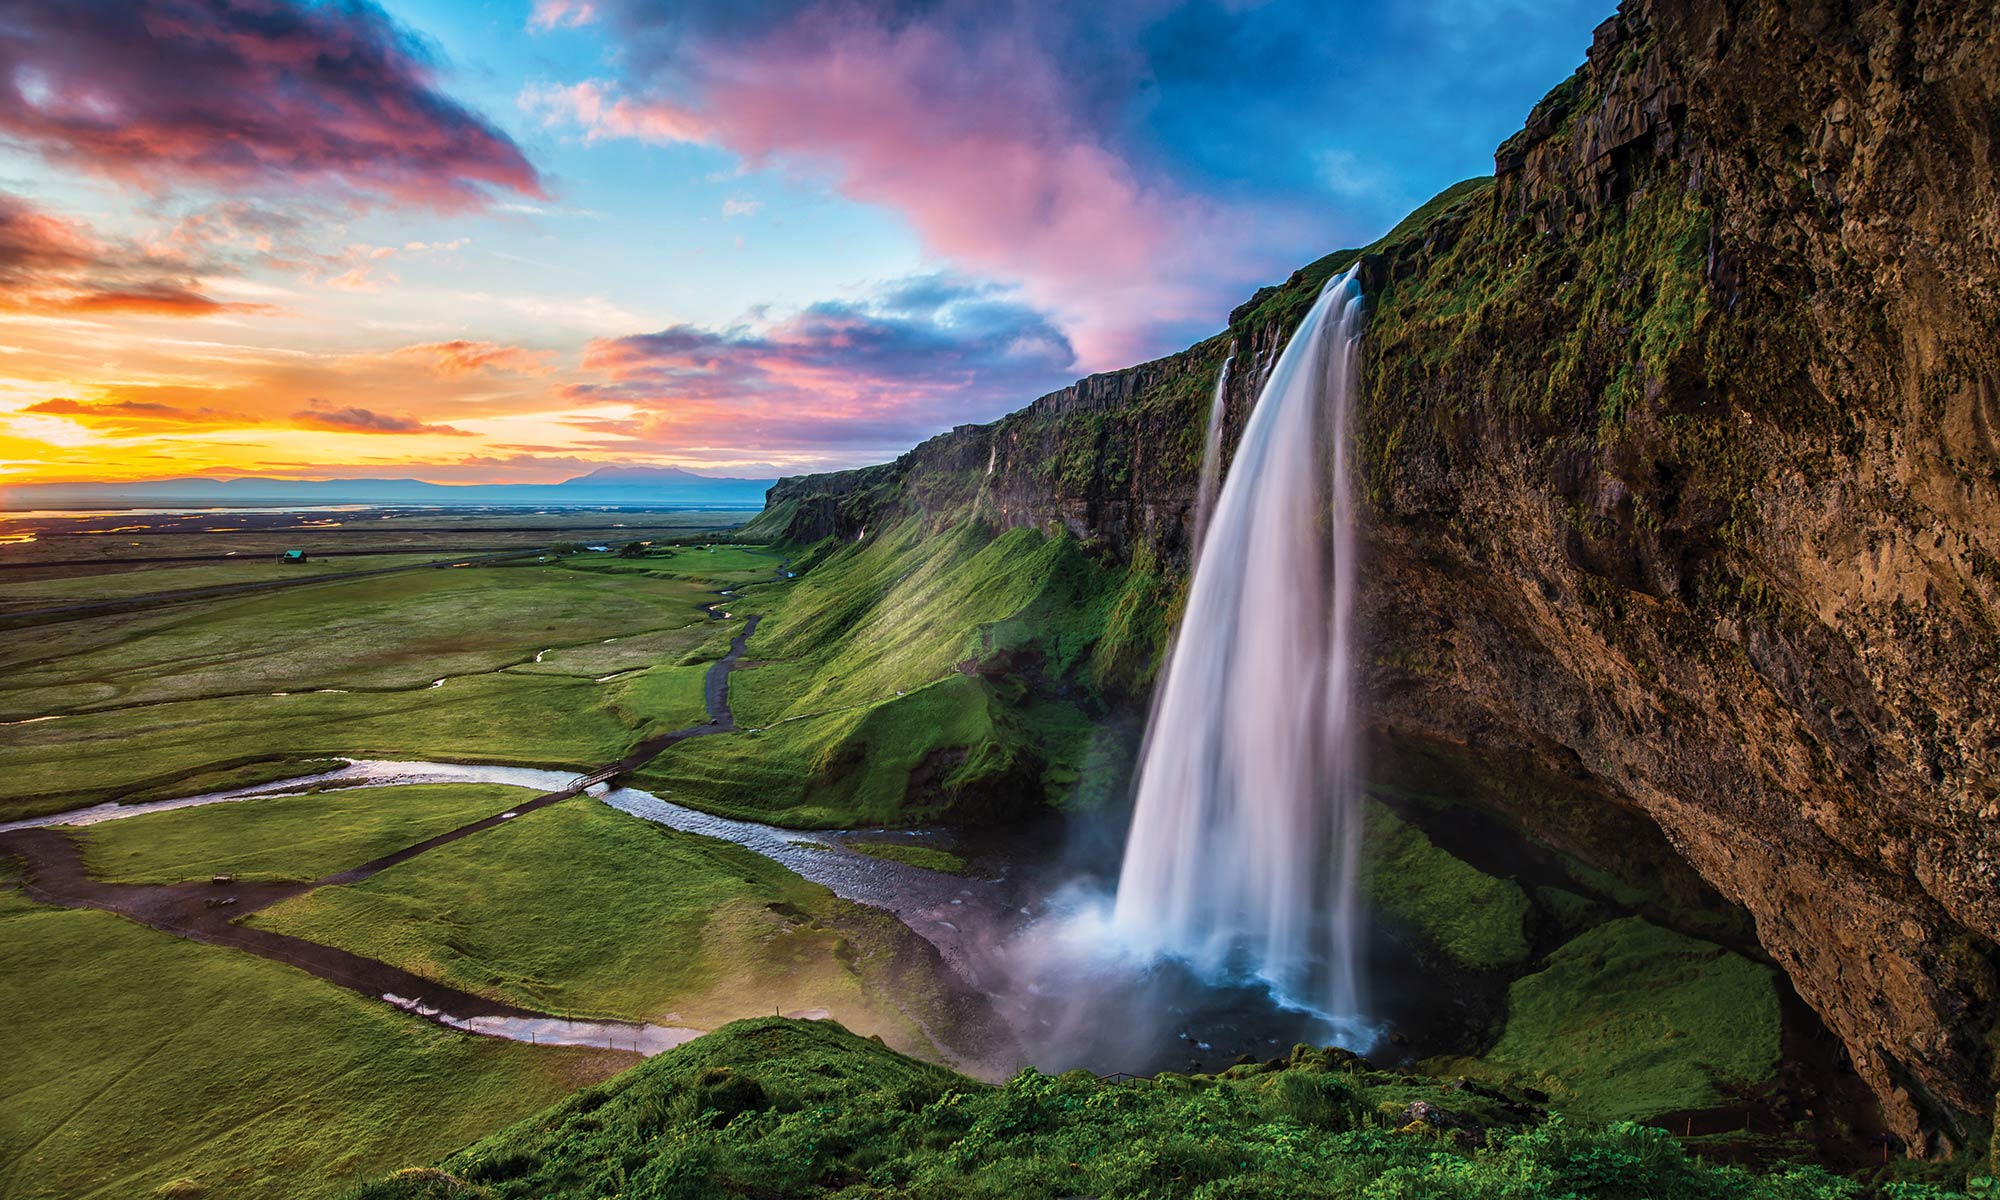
514 240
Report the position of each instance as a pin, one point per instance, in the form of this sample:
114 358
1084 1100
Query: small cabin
292 556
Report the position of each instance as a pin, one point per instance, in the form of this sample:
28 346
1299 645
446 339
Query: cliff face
1684 455
1112 459
1683 448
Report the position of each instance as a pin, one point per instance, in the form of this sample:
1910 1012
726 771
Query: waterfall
1243 854
1211 454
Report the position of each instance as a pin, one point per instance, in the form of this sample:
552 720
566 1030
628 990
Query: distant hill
666 486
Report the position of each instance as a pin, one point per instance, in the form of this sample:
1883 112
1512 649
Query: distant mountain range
661 486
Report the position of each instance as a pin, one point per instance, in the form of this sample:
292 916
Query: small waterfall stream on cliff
1243 853
1211 454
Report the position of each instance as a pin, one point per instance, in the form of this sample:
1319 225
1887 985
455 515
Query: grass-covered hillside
923 675
770 1108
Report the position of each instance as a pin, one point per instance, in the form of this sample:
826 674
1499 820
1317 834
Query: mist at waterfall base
1235 926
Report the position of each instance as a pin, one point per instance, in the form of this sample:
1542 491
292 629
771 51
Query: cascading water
1243 854
1211 454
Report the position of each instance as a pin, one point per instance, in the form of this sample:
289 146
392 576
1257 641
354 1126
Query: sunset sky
511 240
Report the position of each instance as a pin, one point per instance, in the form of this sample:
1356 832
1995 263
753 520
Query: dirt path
206 913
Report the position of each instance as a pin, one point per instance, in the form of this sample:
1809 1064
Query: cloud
241 233
1136 168
461 357
602 113
247 94
361 420
914 357
131 416
361 262
989 171
162 299
561 14
49 264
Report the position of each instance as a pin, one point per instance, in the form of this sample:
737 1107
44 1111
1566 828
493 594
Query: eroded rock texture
1684 457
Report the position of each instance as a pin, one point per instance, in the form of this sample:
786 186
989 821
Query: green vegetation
962 749
114 582
389 632
904 607
165 702
907 678
771 525
927 857
778 1108
285 837
582 911
174 749
1631 1020
1601 333
256 773
1286 305
709 564
1474 919
697 643
135 1059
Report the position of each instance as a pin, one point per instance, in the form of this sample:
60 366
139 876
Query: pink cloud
362 420
918 356
461 357
982 143
247 93
561 14
603 114
51 264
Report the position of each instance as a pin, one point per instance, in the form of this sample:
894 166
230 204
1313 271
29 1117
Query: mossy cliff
1682 441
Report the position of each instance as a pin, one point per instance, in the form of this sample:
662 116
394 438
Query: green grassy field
123 537
152 579
285 837
775 1108
901 610
581 910
135 1059
697 643
167 749
144 703
719 565
391 632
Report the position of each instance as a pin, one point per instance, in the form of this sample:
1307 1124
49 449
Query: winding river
934 905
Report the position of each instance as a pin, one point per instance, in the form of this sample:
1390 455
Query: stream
934 905
972 920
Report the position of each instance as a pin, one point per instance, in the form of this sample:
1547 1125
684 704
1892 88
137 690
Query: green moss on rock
1632 1020
1472 918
